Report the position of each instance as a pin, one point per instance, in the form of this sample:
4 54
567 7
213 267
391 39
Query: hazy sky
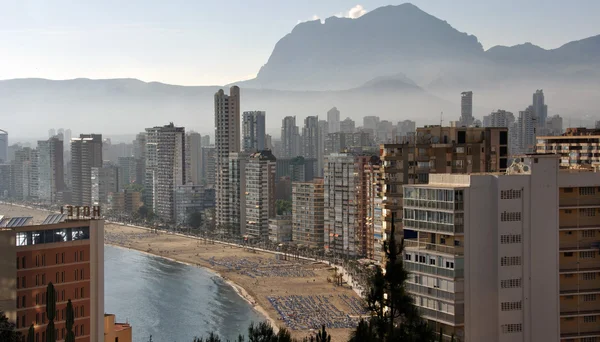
200 42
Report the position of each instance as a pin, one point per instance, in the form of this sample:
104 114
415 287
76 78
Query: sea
171 301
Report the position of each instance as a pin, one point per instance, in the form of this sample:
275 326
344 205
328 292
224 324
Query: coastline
239 290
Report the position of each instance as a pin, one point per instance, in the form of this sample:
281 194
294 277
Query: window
81 274
568 254
510 261
589 319
588 276
82 296
587 212
568 211
432 261
510 216
510 194
407 257
587 255
511 328
588 233
568 190
23 262
511 283
589 339
81 255
589 298
511 306
587 191
23 302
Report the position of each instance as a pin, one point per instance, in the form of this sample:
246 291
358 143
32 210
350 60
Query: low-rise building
280 229
116 332
577 146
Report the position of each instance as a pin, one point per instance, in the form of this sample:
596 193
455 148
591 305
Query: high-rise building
51 132
51 169
227 140
597 124
268 142
165 167
483 261
526 125
308 213
67 139
437 149
370 220
342 201
126 202
540 109
105 180
370 122
466 109
25 174
234 214
577 146
253 129
323 131
86 153
333 120
347 126
554 125
502 118
68 253
4 146
342 142
280 229
260 194
128 171
189 199
310 139
405 128
208 165
5 180
385 132
290 137
206 140
193 159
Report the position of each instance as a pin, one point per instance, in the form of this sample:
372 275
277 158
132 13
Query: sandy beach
300 289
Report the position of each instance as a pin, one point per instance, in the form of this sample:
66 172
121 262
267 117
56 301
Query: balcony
581 245
442 316
435 293
414 244
433 227
429 204
433 270
582 201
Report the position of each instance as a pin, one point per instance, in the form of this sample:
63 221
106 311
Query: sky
201 42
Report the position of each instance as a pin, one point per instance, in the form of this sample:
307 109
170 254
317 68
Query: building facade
333 120
188 199
165 167
260 194
577 146
466 109
86 153
480 261
308 210
290 138
253 129
69 254
227 140
193 157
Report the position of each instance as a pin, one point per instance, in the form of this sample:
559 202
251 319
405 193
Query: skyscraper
24 174
260 194
290 137
540 109
323 131
105 180
193 159
3 146
310 138
526 125
86 153
253 128
51 169
333 120
347 126
206 140
466 109
484 258
51 132
307 213
227 140
165 167
67 139
370 122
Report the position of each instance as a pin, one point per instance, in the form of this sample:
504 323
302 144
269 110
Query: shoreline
239 290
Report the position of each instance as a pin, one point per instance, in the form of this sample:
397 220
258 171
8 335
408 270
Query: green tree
195 219
401 321
69 322
31 333
283 207
134 187
8 330
50 312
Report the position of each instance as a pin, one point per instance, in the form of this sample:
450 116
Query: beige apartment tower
307 213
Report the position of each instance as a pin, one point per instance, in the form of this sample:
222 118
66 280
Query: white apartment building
188 199
105 180
51 169
193 157
165 167
227 140
86 152
260 194
333 120
234 208
484 259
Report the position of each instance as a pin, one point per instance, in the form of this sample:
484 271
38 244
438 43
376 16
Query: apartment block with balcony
577 146
308 213
579 255
480 261
260 194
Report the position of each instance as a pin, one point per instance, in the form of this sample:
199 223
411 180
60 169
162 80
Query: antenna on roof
442 119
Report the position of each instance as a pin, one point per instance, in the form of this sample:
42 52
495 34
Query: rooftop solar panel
14 222
54 218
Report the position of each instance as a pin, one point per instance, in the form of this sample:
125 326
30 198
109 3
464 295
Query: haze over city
299 171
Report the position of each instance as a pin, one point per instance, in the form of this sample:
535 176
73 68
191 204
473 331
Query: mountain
343 53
